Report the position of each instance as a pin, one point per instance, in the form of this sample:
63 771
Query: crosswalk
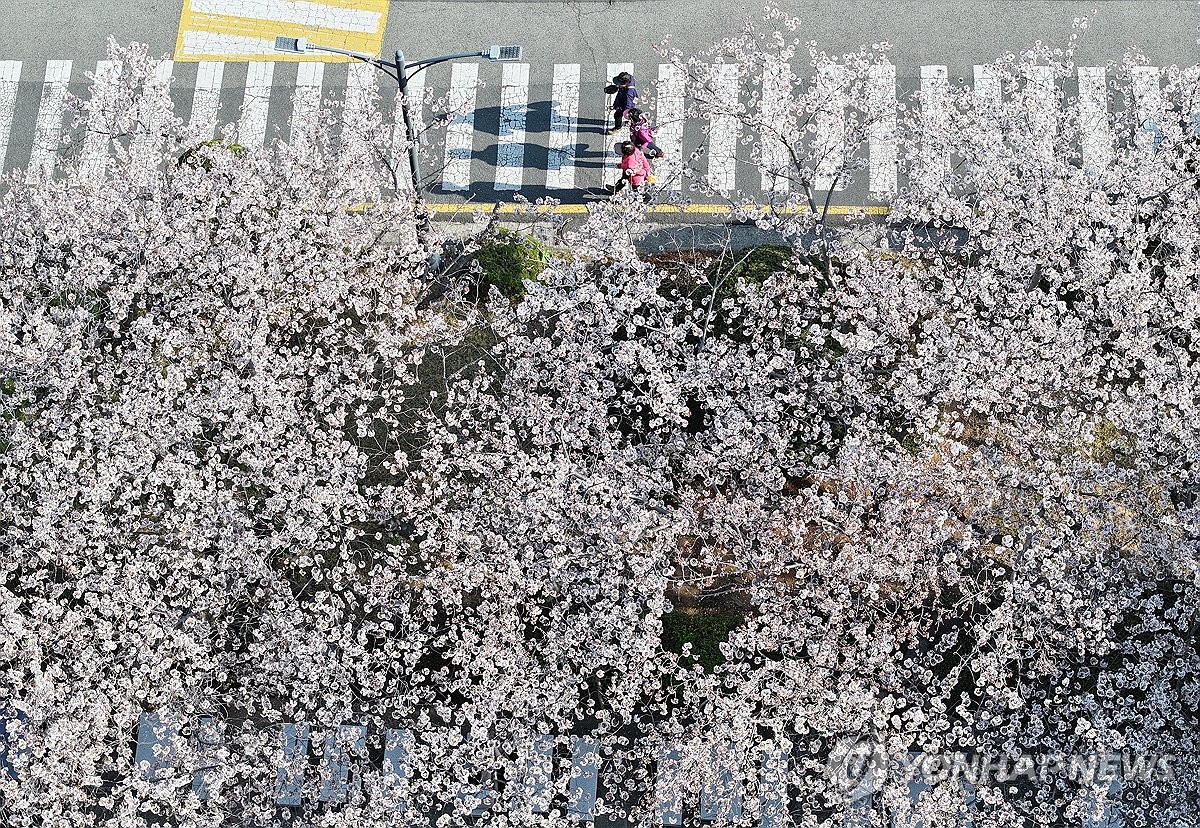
536 130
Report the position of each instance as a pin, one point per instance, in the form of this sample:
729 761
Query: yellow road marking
690 209
240 35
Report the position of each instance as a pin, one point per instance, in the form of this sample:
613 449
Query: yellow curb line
695 209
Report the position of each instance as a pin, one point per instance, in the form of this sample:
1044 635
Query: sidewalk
658 238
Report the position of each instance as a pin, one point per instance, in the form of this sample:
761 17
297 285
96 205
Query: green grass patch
754 265
705 631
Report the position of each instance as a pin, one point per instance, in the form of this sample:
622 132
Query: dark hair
635 115
623 79
627 148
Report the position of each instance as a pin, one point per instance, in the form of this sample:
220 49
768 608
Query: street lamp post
398 71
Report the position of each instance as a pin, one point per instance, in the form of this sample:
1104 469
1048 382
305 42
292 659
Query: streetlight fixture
398 70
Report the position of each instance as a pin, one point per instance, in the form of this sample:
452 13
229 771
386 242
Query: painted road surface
246 29
537 130
592 33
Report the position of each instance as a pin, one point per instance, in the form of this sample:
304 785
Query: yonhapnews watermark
857 765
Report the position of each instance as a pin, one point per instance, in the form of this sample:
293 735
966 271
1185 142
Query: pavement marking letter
246 29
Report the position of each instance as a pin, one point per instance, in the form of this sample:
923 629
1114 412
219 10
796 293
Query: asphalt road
582 37
593 32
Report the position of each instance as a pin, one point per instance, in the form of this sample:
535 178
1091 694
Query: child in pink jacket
635 169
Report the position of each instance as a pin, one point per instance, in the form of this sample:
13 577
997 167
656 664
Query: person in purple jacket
626 98
642 134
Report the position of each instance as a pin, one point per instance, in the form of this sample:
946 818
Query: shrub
195 156
510 260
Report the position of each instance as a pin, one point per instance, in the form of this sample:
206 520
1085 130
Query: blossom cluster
267 460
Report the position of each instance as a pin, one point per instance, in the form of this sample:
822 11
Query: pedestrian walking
642 134
635 169
624 88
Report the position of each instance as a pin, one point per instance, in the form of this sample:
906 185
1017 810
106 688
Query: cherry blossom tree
265 461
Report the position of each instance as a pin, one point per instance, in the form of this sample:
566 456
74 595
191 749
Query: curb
467 209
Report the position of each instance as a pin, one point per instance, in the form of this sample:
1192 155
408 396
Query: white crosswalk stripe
663 99
668 124
10 80
144 146
772 787
723 131
306 101
1148 103
534 789
776 92
96 141
220 44
252 128
564 127
987 96
510 146
207 97
987 92
612 144
1042 103
360 83
48 129
460 135
1094 127
829 145
1191 90
935 159
881 138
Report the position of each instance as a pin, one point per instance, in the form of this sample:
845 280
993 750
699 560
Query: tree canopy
925 484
